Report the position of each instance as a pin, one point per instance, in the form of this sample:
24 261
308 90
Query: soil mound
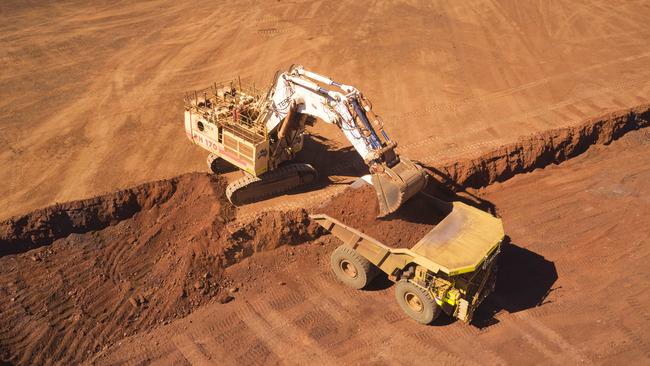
359 208
124 262
42 227
270 230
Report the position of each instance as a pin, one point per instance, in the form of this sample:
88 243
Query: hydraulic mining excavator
260 133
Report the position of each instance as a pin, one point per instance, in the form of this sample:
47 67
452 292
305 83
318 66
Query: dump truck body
455 262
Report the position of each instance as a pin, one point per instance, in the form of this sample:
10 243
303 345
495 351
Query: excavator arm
304 92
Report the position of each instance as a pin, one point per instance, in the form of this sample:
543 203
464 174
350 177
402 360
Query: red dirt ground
150 287
91 92
167 272
161 257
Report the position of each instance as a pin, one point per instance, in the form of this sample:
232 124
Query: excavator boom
395 180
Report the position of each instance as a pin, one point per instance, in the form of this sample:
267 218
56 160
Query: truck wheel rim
413 301
349 269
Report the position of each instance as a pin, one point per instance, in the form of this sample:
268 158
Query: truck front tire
351 268
416 302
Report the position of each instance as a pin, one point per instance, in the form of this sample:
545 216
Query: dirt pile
268 231
123 263
359 208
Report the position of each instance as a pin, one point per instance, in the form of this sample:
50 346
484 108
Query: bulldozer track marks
287 301
639 341
193 352
281 331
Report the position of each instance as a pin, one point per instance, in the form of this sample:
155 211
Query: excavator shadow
331 162
443 187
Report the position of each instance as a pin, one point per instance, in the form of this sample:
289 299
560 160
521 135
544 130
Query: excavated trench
542 149
114 265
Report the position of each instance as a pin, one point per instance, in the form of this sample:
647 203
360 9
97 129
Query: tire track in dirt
339 297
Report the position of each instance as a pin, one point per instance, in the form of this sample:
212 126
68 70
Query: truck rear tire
416 302
351 268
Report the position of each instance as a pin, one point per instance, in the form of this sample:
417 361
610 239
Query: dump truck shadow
379 283
524 280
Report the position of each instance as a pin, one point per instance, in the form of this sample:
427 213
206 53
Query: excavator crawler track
249 189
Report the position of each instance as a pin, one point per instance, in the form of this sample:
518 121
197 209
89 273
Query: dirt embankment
358 208
541 149
121 263
42 227
563 222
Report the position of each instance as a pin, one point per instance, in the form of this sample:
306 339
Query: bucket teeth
397 184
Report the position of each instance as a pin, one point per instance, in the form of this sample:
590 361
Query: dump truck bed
462 240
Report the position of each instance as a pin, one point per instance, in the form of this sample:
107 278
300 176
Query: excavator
261 133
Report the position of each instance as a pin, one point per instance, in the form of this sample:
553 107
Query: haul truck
451 269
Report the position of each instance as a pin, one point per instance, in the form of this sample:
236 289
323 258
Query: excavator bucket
397 184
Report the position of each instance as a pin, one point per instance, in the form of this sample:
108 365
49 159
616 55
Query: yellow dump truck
451 269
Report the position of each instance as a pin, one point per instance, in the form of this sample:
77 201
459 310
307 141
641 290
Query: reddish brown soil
182 277
126 262
91 102
358 208
91 92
